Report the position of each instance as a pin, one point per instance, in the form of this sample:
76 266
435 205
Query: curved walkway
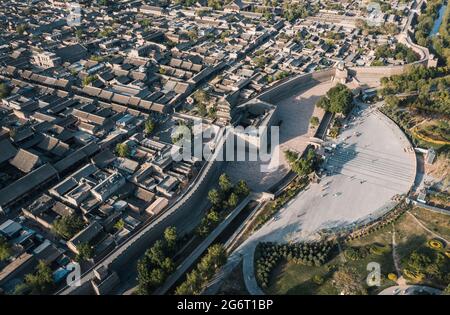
410 290
427 229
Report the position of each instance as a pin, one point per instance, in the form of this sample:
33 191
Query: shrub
378 249
392 277
435 244
314 121
413 275
317 279
353 253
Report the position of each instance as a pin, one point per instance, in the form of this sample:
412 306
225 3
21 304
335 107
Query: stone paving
372 164
294 113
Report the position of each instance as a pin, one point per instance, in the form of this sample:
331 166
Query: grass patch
291 278
436 222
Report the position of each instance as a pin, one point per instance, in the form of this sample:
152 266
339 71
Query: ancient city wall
296 84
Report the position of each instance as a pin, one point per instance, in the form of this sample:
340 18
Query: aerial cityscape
224 147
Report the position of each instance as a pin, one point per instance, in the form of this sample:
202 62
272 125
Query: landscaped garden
422 258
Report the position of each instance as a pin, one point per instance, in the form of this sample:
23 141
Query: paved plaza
372 163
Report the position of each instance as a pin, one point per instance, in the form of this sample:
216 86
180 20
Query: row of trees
358 253
204 271
228 194
338 99
39 282
425 22
156 264
441 42
429 89
269 255
226 197
414 79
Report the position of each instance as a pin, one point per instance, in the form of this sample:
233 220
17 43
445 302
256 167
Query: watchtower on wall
341 75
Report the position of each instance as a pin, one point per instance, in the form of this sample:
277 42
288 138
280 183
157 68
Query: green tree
168 265
392 101
156 253
214 197
338 99
191 286
21 289
170 235
67 226
205 269
225 183
213 217
241 188
21 28
149 126
5 249
211 220
302 166
119 225
447 290
143 275
5 90
88 80
215 4
122 150
156 277
314 121
233 200
85 252
79 33
201 97
41 282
